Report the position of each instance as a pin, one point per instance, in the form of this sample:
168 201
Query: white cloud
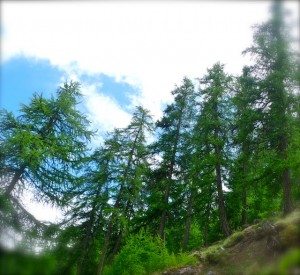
151 44
41 211
148 44
104 112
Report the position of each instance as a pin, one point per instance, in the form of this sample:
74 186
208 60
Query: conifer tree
131 163
274 67
246 124
44 147
213 128
173 129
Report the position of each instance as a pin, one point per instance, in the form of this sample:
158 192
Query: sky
124 53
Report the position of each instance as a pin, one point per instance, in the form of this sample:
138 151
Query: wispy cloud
103 111
150 45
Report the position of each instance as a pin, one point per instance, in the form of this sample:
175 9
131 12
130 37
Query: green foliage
287 264
240 132
45 145
145 254
42 150
12 263
196 237
142 254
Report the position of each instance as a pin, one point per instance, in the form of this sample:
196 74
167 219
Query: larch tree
131 164
88 211
45 146
247 119
213 125
274 67
172 130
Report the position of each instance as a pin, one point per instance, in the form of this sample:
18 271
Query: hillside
269 247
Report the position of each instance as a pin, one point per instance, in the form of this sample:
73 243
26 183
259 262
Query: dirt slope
270 247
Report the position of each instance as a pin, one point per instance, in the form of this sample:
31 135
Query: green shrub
145 254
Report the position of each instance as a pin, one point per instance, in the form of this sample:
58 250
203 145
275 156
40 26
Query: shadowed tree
247 117
213 128
131 152
275 68
173 130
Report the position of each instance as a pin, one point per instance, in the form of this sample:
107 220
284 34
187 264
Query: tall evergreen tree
44 147
213 125
88 212
173 126
274 67
131 164
247 119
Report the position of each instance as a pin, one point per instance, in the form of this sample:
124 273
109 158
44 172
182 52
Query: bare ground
271 247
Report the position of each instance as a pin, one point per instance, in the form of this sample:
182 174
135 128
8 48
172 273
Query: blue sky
124 53
21 77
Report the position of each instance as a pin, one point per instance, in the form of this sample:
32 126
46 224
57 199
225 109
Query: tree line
223 154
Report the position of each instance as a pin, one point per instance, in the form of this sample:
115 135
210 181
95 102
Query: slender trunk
16 178
206 224
287 192
104 248
166 198
164 212
117 243
244 206
222 211
281 103
109 232
286 179
188 222
244 197
88 235
116 206
85 244
169 179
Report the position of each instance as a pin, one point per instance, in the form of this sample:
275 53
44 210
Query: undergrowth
144 254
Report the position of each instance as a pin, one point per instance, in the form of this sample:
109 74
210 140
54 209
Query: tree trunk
117 243
86 240
85 245
116 206
169 180
164 212
244 197
222 211
286 179
188 222
244 206
206 224
287 192
104 248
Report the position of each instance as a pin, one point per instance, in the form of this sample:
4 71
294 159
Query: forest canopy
223 155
